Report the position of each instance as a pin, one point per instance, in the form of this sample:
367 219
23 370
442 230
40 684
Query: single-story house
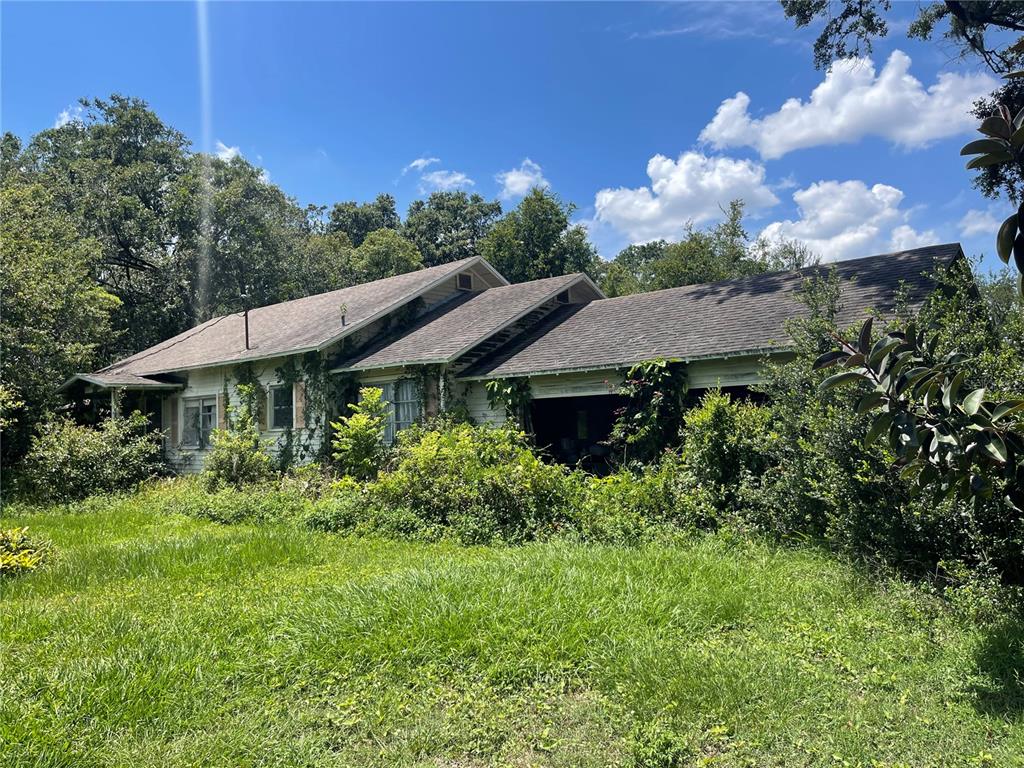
432 339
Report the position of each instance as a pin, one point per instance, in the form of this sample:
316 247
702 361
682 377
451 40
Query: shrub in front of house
67 461
257 503
357 441
482 483
238 456
635 505
18 553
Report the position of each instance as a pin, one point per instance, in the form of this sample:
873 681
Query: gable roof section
455 327
118 380
711 320
301 325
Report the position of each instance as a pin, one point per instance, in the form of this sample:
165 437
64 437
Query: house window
281 407
200 421
465 281
406 408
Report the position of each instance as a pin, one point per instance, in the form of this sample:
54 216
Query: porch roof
119 380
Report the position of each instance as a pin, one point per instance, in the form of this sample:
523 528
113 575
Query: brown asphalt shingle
288 327
441 335
709 320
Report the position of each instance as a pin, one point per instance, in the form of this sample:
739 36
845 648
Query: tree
357 220
851 26
535 240
55 317
720 252
385 253
449 226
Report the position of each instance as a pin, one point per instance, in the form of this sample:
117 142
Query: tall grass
160 640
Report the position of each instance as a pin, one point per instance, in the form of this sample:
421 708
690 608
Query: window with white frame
200 420
405 406
281 406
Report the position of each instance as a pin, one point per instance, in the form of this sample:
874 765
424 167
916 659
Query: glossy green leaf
829 359
996 448
879 426
1005 238
869 402
994 158
864 340
838 379
1006 409
972 402
995 126
983 146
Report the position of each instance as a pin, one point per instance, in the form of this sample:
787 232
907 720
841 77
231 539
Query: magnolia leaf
984 161
995 126
864 340
1018 121
1007 408
854 360
837 379
881 349
983 146
1005 238
880 425
829 359
869 402
1017 138
972 402
996 448
949 394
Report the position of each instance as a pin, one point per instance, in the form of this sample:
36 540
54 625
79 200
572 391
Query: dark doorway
574 430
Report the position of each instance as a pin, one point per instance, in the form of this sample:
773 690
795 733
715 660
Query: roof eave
626 363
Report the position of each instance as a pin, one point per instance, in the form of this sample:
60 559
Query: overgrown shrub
483 483
358 439
631 506
649 422
67 462
261 503
725 442
18 553
238 456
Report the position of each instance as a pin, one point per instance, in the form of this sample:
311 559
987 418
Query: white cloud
843 220
444 181
419 164
976 222
518 181
693 188
71 114
853 102
224 152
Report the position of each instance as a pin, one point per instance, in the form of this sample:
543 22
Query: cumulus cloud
846 219
224 152
71 114
444 181
851 103
518 181
419 164
975 223
693 188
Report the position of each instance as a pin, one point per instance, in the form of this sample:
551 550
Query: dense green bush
483 483
238 455
67 461
18 553
259 503
358 440
630 506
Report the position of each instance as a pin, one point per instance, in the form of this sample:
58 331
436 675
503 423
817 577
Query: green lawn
164 641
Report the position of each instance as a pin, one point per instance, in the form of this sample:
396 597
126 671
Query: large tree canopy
536 240
449 226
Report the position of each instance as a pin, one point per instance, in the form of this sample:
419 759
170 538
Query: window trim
199 445
271 427
469 279
391 388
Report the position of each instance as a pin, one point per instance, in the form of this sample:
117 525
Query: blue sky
630 111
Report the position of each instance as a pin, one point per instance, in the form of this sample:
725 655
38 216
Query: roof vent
563 297
465 281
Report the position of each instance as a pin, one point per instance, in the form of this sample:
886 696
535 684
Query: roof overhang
120 382
628 363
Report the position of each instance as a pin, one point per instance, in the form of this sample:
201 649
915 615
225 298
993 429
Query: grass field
165 641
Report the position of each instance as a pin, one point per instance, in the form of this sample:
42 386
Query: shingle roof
291 326
116 380
448 331
709 320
